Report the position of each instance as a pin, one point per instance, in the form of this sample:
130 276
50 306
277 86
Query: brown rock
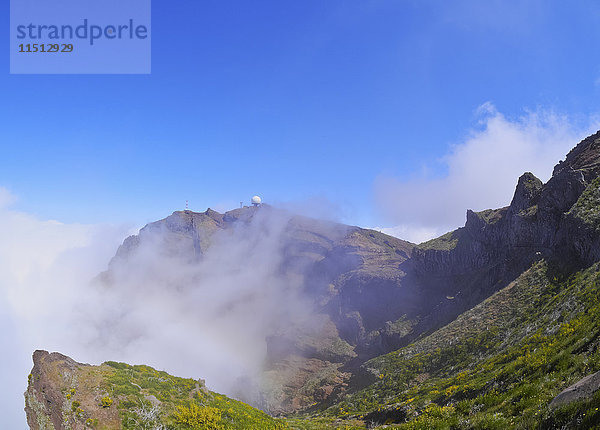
64 394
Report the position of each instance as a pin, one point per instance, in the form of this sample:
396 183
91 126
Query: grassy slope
497 366
445 242
587 207
184 403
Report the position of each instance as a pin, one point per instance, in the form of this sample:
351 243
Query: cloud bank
44 267
481 171
203 318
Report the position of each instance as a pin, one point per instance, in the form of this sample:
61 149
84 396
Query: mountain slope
495 246
500 363
349 282
364 293
479 328
64 394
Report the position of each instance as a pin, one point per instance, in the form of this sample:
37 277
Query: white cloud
412 233
482 170
44 268
207 319
204 318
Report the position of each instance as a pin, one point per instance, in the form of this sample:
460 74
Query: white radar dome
256 200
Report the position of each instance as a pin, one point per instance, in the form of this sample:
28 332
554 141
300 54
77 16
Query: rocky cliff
65 395
552 221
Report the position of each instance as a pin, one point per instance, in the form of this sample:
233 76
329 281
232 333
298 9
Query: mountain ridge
380 306
380 292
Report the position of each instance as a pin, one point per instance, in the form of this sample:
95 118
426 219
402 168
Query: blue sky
290 100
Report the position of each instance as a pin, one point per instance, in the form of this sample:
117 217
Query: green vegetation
91 422
75 405
319 423
196 417
491 216
497 366
402 326
148 398
105 402
71 393
583 414
446 242
337 348
587 207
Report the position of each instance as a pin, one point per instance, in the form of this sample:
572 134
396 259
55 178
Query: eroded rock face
496 246
527 193
63 394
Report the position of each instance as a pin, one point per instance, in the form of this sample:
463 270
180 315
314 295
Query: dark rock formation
496 246
353 277
527 193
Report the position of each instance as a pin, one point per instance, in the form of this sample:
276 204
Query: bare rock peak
586 155
527 192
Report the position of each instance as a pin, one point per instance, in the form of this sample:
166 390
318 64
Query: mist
200 316
44 267
194 316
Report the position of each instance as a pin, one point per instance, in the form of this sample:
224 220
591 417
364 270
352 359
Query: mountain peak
527 192
585 156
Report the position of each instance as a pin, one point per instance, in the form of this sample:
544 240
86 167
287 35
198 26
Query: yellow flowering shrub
198 417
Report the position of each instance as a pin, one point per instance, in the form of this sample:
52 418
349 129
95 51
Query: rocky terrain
479 328
64 394
375 293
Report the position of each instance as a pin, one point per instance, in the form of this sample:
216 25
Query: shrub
105 402
91 422
196 417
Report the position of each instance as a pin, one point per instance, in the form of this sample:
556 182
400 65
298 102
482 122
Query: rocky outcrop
64 394
583 389
353 279
527 193
369 294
